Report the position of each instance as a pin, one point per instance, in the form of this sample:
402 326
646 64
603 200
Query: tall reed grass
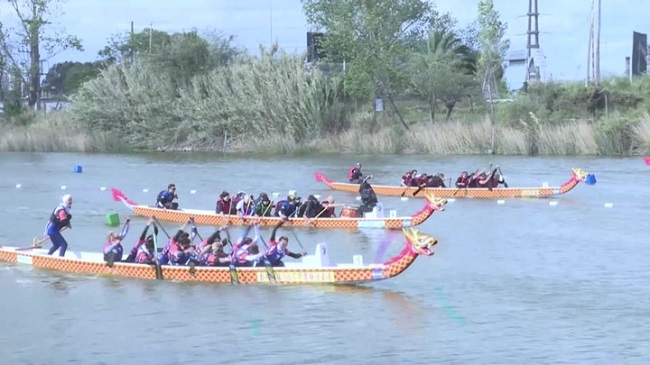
55 133
582 137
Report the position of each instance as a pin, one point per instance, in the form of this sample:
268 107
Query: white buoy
552 203
403 198
451 200
609 205
63 187
292 192
102 188
501 201
192 191
275 195
18 186
145 190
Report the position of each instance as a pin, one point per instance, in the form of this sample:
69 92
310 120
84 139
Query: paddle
419 188
37 242
270 273
159 273
196 231
161 227
490 178
297 240
501 175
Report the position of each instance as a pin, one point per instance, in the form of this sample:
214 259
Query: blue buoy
77 169
591 179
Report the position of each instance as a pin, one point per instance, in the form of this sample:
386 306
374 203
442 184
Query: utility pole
150 36
598 47
131 42
271 19
533 37
590 48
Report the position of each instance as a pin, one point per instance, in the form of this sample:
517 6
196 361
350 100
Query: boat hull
480 193
205 217
75 263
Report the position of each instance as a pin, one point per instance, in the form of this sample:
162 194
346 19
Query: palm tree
442 68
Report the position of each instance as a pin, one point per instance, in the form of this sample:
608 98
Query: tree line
383 63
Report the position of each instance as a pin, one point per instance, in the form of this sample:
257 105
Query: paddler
278 249
142 240
59 219
113 249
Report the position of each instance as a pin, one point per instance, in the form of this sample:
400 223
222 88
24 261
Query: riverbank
58 132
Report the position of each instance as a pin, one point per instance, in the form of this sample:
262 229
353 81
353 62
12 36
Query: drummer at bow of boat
165 198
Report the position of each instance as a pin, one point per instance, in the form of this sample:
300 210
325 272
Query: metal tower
532 71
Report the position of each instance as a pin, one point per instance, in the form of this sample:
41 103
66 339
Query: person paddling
113 249
225 204
144 239
59 220
278 249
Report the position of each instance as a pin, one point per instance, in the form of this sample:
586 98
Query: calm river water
525 282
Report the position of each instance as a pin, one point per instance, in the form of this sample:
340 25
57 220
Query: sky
564 26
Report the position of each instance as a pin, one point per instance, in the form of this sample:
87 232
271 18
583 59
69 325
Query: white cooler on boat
377 212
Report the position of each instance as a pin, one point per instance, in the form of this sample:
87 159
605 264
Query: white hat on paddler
65 199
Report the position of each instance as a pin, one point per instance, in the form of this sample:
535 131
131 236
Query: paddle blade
119 196
647 160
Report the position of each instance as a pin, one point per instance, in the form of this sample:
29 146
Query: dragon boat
485 193
206 217
313 269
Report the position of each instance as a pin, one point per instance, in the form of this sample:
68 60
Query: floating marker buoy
77 169
18 186
102 188
192 191
145 190
609 205
591 179
275 195
403 198
63 187
112 219
501 201
552 204
451 200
